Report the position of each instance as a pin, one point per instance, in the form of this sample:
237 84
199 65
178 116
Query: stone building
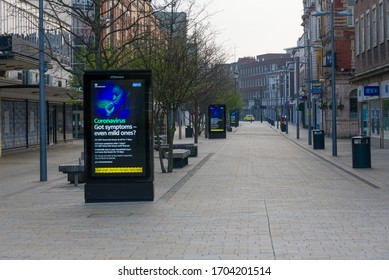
343 35
372 69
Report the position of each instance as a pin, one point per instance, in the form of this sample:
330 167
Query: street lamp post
333 90
309 98
237 112
309 93
296 94
296 70
42 98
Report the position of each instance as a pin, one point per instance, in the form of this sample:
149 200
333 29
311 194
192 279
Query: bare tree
97 34
168 37
183 62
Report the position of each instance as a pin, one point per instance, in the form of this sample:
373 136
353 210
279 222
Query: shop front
374 112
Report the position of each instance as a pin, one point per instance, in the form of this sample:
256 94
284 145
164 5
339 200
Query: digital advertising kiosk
234 118
217 121
119 163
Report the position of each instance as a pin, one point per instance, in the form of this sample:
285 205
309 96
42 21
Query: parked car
249 118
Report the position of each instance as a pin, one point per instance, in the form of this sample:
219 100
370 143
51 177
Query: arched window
353 98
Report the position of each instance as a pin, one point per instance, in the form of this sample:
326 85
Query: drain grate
169 194
109 215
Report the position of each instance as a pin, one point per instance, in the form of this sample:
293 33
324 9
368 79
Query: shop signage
372 91
316 87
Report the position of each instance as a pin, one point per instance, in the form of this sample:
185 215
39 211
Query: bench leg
75 179
177 163
180 163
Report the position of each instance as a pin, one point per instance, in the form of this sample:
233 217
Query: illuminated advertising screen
118 128
234 118
217 120
118 125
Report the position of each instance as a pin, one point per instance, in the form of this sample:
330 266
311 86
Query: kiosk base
116 192
218 135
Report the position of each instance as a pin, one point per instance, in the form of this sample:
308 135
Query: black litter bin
188 132
318 139
361 152
283 124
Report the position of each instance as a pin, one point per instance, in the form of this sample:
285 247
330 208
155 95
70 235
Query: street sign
316 87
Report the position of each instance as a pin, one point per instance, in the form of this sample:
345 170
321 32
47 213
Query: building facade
372 69
263 83
80 35
319 29
19 79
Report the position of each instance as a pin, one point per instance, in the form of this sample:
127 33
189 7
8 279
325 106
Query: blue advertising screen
217 117
233 117
118 125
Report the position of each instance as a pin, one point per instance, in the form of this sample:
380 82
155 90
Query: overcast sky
254 27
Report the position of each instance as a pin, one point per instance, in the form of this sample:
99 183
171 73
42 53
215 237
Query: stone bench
74 171
180 157
191 147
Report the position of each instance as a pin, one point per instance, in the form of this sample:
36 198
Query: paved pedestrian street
259 194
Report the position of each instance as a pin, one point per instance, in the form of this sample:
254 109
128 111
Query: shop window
385 116
353 104
375 117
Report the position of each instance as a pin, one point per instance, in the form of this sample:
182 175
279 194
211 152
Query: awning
31 92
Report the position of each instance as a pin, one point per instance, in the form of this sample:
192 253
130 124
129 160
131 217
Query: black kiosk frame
119 164
217 121
234 118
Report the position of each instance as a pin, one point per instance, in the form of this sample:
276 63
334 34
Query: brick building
372 68
346 94
264 85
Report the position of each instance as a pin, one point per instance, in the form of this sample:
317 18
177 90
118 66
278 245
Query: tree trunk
157 130
196 128
206 126
171 129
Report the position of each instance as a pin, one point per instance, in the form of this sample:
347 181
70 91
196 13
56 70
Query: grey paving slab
259 194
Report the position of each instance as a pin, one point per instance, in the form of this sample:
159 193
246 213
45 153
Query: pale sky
254 27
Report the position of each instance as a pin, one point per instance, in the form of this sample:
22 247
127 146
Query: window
362 26
357 39
386 118
381 23
368 30
350 19
375 116
353 104
350 8
374 11
387 19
